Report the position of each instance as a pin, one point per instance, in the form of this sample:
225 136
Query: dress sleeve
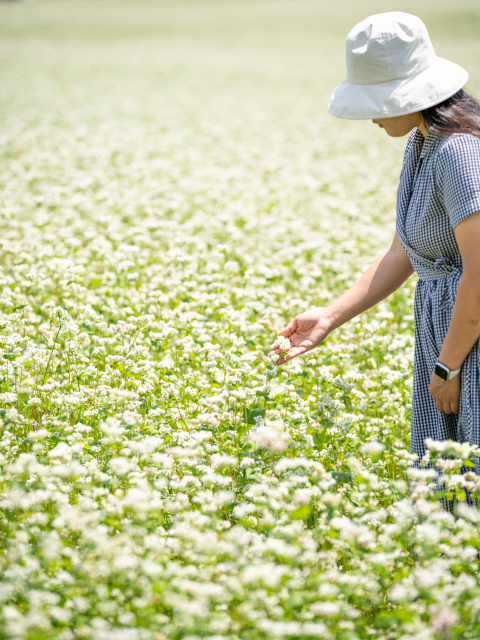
458 177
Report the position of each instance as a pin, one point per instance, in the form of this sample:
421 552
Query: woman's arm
464 327
385 275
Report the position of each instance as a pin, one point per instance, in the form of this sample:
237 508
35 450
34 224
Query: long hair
458 114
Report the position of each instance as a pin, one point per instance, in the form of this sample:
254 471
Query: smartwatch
444 372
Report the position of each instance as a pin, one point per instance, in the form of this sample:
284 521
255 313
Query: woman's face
401 125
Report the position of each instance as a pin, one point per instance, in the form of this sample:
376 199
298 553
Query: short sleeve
458 176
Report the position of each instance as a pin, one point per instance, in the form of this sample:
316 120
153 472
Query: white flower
269 437
283 344
327 609
421 474
221 460
166 364
373 448
112 428
443 621
120 466
40 434
268 574
286 464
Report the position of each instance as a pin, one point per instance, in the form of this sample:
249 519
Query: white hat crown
388 46
392 70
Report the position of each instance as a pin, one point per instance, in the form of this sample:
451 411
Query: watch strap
452 374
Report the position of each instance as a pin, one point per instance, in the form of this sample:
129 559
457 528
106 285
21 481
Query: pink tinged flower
443 621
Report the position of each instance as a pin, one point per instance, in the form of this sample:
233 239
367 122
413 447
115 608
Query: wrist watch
444 372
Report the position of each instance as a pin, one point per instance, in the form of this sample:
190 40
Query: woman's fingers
439 405
452 408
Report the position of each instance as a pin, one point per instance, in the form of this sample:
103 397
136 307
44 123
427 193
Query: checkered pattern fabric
439 187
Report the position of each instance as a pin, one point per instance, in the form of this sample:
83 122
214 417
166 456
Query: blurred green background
239 82
150 58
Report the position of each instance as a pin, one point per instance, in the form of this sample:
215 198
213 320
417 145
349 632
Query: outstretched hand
305 332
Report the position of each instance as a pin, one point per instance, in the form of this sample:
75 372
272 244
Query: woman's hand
446 393
305 332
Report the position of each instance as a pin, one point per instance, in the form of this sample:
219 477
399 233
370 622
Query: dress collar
427 143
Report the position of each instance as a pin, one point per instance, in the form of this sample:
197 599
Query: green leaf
385 619
299 598
301 513
95 282
250 414
321 439
341 476
23 397
20 306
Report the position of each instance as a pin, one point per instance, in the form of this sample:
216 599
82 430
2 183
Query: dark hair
458 114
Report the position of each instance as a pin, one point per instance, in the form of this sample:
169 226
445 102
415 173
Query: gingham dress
439 187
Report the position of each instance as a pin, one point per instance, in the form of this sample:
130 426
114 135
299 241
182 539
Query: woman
395 79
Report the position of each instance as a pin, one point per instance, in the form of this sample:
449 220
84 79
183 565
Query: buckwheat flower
468 513
130 417
327 609
124 393
247 462
425 508
399 593
283 344
302 496
295 367
373 448
435 574
206 419
331 499
166 364
286 464
61 452
448 465
8 397
421 474
269 437
403 454
443 621
121 466
268 574
40 434
221 460
112 427
455 480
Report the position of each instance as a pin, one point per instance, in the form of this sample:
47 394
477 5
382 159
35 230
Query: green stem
51 353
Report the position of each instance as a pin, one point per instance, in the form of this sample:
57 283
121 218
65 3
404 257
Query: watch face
441 372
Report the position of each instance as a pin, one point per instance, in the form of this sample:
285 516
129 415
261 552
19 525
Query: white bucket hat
392 70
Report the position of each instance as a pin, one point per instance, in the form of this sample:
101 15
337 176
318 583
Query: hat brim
398 97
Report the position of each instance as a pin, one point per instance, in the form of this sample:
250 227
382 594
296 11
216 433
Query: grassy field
172 192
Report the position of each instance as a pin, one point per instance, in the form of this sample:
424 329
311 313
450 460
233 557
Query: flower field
172 193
